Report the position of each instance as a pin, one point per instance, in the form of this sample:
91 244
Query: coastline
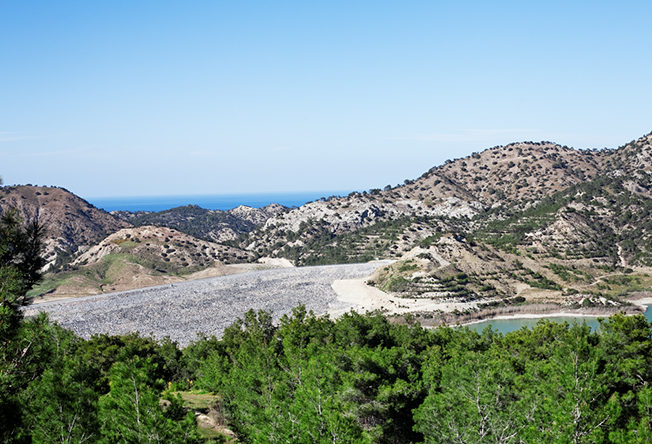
560 314
532 311
643 302
356 294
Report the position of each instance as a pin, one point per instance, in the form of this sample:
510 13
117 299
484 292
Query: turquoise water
507 325
209 202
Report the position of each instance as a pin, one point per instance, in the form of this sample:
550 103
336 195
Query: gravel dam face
185 309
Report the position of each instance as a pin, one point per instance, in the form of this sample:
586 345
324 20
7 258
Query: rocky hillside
527 220
138 257
515 172
165 249
72 224
514 176
475 278
607 219
588 245
90 251
210 225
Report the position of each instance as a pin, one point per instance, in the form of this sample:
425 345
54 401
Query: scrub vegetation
312 379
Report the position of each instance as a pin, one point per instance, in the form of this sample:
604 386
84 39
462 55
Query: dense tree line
362 379
312 379
357 379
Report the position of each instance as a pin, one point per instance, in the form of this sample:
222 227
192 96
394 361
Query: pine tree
20 265
132 411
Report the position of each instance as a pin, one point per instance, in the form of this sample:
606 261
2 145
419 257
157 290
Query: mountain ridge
461 188
539 203
209 225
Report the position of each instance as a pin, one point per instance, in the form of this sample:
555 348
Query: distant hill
72 224
89 250
211 225
138 257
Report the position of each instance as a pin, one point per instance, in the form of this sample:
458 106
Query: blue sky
111 98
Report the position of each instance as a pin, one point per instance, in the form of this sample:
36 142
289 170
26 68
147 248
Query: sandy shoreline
642 302
356 294
559 314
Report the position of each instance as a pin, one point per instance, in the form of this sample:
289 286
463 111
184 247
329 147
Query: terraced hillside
477 278
314 244
586 246
499 177
478 187
608 219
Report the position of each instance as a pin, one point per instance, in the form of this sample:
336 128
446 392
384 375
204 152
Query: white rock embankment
185 309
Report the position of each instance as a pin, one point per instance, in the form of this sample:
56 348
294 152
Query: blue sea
210 202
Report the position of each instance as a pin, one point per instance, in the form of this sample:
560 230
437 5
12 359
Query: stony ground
185 309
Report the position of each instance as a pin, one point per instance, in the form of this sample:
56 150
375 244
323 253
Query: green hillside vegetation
605 212
491 277
311 379
137 257
574 241
194 220
357 379
108 271
318 245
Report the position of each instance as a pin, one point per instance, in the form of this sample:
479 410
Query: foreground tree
132 411
20 265
20 268
476 400
61 404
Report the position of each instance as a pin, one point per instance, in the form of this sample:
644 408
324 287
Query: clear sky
119 98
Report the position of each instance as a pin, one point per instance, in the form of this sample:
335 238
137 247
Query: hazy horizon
209 201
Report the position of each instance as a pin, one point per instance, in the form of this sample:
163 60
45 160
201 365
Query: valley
529 227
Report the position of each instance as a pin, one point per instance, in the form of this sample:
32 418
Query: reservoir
507 325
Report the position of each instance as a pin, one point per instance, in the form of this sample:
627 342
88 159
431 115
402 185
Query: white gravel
208 306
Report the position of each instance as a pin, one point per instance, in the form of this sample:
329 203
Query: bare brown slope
72 224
